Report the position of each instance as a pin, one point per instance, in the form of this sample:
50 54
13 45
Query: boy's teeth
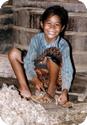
50 33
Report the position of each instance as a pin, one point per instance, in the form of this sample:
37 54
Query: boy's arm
67 69
38 84
29 65
67 74
29 60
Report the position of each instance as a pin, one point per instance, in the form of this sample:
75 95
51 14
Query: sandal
68 104
31 98
47 98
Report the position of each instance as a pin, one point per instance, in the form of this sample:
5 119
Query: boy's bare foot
63 98
25 94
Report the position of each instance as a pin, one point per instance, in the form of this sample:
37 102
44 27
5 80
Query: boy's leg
53 76
53 70
14 56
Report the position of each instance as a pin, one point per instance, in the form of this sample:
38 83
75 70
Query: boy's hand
38 84
63 98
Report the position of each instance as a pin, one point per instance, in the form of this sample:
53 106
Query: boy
55 51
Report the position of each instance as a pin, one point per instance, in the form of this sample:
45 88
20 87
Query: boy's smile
52 28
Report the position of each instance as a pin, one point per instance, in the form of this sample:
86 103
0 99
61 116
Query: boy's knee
51 63
12 54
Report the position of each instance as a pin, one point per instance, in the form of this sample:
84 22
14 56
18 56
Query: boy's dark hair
59 11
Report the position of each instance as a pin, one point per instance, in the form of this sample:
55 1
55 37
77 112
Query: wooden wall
26 24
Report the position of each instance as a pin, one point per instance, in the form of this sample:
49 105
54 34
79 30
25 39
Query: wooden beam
5 27
37 10
25 29
6 16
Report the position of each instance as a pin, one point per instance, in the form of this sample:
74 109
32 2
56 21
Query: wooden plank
34 10
77 14
81 68
74 33
38 10
25 29
3 16
5 27
8 6
77 42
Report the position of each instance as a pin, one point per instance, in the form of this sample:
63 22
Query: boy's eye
48 23
57 24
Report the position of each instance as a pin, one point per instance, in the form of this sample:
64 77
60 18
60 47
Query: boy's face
52 28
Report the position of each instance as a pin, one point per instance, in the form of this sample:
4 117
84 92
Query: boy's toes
25 94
